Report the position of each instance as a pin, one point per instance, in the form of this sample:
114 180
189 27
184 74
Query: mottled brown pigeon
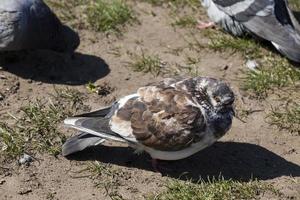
170 120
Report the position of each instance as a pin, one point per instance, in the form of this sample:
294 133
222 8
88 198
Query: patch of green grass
276 72
177 3
11 144
108 15
98 169
64 8
286 117
70 99
223 42
147 64
91 87
213 190
295 4
38 124
185 21
106 176
102 90
36 129
191 66
192 70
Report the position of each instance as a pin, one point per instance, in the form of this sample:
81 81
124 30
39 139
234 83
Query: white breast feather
208 139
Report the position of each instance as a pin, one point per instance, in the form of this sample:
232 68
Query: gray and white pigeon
271 20
170 120
30 24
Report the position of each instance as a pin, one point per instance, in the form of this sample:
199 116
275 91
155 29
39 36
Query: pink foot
157 167
204 25
154 163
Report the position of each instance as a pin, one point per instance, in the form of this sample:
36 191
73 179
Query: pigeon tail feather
290 53
96 126
80 142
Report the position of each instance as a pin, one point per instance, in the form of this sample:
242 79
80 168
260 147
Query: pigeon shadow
51 67
238 161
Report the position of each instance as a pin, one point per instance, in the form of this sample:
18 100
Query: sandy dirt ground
251 150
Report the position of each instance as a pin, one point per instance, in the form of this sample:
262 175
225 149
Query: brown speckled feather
163 117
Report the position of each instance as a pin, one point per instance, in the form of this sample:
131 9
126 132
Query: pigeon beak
233 112
228 101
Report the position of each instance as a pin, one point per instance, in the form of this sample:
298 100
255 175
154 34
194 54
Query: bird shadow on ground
51 67
238 161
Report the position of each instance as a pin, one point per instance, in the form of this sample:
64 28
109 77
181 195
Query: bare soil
251 150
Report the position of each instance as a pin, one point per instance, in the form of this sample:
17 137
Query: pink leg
154 163
204 25
157 167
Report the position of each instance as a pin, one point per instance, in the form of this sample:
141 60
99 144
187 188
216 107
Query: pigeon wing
269 19
12 25
10 31
162 118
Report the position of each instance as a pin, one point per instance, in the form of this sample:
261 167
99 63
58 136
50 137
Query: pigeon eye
218 99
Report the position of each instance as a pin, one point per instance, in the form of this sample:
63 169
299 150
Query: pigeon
30 24
170 120
270 20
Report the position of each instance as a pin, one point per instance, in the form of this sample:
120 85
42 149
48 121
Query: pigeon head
217 99
67 41
220 96
217 93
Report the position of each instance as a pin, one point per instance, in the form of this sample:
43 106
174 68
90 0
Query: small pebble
2 181
25 159
7 173
252 65
2 76
2 97
24 191
225 67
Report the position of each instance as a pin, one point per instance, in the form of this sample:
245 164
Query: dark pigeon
271 20
30 24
